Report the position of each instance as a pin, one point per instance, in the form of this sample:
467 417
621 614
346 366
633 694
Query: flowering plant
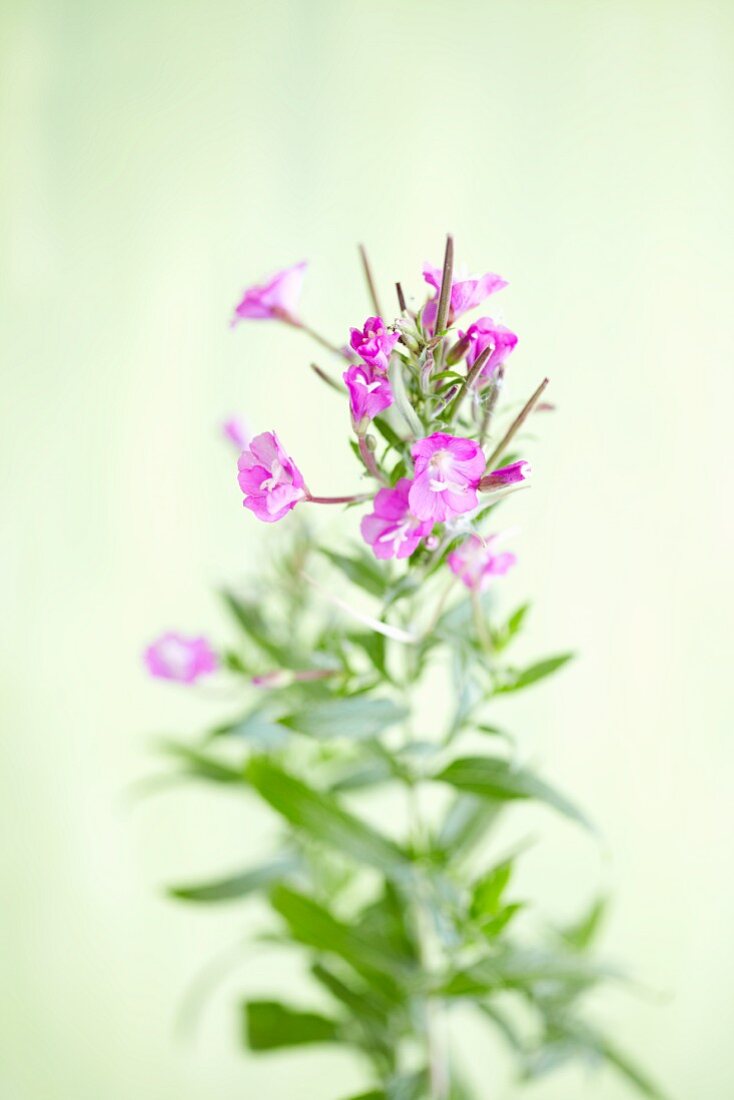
402 919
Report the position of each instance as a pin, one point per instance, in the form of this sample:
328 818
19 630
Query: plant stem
515 426
328 344
370 281
370 461
355 498
436 1052
326 377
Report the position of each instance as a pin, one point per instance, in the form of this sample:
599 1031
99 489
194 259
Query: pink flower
475 562
176 657
277 298
466 293
369 392
235 431
448 470
270 480
484 334
373 343
391 529
513 474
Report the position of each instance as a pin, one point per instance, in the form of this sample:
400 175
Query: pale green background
156 157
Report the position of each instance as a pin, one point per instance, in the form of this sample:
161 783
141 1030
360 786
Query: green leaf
628 1069
363 1004
502 636
321 816
582 934
409 1086
467 820
388 433
201 765
255 728
357 717
235 887
375 1094
314 926
269 1025
374 645
488 891
515 680
249 617
362 571
499 780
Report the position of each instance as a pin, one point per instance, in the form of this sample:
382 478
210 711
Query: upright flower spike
448 470
467 293
484 334
476 561
373 343
270 480
369 393
391 529
275 299
180 658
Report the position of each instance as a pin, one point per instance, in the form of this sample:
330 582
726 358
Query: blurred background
156 159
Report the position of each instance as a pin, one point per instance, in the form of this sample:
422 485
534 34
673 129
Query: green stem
433 1011
328 344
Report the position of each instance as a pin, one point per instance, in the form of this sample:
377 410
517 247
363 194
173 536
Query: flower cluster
430 396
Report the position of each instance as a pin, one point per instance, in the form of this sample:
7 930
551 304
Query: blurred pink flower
476 561
391 530
235 431
513 474
373 343
175 657
467 293
484 334
275 299
270 480
369 393
447 472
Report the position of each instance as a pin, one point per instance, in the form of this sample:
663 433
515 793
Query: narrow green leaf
375 1094
582 934
321 816
488 891
514 680
362 571
255 728
375 646
467 820
388 433
632 1072
499 780
201 765
235 887
269 1025
314 926
363 1004
357 717
249 617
